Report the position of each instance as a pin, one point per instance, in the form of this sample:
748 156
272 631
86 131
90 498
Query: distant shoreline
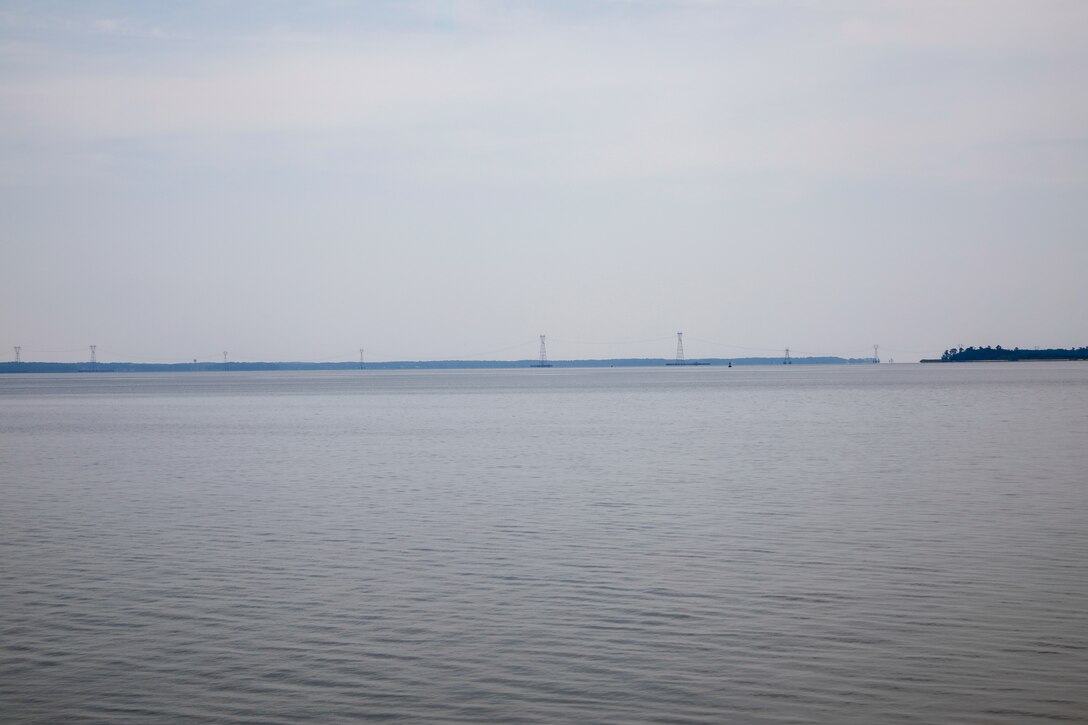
130 367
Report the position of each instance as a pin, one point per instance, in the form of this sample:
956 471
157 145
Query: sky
452 179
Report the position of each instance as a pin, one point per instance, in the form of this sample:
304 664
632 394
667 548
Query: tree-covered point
969 354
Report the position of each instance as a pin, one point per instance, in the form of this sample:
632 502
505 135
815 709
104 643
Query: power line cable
612 342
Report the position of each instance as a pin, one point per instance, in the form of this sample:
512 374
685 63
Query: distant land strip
188 367
1005 354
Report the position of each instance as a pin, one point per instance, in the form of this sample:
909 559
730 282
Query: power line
612 342
387 356
738 347
126 357
793 351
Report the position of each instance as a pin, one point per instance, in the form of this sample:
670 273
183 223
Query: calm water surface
892 543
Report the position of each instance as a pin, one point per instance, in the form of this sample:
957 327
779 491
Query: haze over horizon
436 180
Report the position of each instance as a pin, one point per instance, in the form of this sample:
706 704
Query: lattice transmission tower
787 360
18 353
543 363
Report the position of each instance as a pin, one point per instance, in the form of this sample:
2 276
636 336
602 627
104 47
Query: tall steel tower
94 358
224 357
543 356
680 348
18 352
876 354
360 358
787 360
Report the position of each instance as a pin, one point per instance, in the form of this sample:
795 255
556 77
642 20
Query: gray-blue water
883 543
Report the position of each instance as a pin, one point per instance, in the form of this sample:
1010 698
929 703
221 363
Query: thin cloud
652 95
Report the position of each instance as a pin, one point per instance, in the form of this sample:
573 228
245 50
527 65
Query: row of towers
786 359
542 362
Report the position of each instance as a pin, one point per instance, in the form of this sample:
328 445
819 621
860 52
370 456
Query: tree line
968 354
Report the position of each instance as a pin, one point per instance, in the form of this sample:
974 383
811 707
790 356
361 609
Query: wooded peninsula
989 354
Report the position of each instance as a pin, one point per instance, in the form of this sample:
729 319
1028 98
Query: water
893 543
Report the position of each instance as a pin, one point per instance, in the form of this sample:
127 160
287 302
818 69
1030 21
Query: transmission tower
876 355
18 352
224 357
360 358
543 356
680 359
787 360
94 358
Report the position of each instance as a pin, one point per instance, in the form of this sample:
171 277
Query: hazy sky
296 180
